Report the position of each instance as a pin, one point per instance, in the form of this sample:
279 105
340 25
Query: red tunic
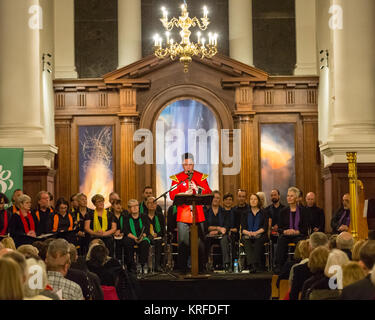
184 213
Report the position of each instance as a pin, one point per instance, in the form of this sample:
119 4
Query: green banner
11 170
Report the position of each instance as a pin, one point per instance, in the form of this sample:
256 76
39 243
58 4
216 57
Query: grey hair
318 239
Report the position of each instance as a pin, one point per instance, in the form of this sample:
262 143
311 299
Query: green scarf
132 228
157 225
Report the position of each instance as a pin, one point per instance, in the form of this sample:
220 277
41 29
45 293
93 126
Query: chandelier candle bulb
186 49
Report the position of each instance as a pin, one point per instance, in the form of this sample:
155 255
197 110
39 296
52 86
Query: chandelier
186 49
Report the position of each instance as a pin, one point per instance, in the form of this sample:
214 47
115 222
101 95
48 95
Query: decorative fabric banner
11 170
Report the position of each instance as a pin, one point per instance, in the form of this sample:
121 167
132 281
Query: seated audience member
58 262
293 227
156 222
341 219
332 241
22 225
322 289
119 216
63 221
28 250
82 214
371 235
13 208
74 206
363 289
301 255
4 215
315 214
356 249
100 224
317 262
345 243
80 277
21 261
137 231
301 272
79 263
43 213
352 272
92 244
42 247
273 212
263 200
147 192
110 273
8 242
39 291
241 208
11 282
218 224
254 226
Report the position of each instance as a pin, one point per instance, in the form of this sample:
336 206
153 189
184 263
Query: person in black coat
363 289
254 226
293 226
315 214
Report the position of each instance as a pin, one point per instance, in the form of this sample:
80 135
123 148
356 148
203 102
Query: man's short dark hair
187 155
146 187
278 191
72 196
228 195
367 254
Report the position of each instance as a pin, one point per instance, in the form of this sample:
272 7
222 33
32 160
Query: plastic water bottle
235 266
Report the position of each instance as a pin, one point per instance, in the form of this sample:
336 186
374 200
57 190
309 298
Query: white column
129 32
64 39
25 103
306 37
241 31
353 96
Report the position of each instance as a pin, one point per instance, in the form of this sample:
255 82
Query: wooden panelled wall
135 101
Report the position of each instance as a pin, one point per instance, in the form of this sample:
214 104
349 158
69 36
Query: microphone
190 175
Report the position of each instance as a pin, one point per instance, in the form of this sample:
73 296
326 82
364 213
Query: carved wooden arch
161 100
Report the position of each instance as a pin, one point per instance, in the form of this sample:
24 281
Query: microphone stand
168 240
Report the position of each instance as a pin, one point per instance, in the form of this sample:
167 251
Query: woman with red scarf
4 215
22 224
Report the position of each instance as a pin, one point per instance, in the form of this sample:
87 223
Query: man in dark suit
363 289
316 214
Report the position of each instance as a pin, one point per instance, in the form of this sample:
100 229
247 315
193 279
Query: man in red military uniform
194 182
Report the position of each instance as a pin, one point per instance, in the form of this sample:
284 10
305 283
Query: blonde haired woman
11 286
99 224
352 272
23 223
8 242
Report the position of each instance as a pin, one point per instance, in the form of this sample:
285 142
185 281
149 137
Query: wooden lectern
193 200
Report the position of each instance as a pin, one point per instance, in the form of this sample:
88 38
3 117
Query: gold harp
358 223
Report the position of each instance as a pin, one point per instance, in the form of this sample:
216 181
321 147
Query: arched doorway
187 125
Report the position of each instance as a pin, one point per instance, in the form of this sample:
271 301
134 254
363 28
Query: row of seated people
256 228
53 270
329 268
